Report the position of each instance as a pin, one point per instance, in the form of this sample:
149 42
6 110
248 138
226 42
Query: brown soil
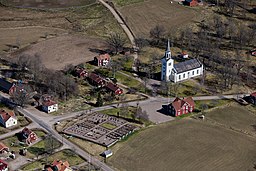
58 52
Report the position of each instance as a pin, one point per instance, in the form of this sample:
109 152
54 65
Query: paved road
48 127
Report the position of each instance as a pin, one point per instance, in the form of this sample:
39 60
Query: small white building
49 106
180 71
8 119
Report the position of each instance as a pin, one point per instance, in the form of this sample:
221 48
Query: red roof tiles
6 115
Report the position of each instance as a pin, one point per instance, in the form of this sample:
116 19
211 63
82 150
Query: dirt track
58 52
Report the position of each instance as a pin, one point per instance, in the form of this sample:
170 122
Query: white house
180 71
8 119
49 106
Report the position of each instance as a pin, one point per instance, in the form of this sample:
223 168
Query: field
141 17
238 117
24 36
87 28
47 3
186 144
58 52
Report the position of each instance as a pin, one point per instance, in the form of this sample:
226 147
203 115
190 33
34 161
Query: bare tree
116 41
157 33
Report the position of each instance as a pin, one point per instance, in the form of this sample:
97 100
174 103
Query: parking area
100 128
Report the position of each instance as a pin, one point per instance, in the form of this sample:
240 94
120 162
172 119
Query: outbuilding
107 153
190 3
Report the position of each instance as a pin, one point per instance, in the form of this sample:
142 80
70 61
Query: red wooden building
114 88
81 73
190 3
181 106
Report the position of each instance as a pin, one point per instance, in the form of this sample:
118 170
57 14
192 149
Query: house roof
190 101
253 94
103 56
6 115
178 103
3 165
3 146
48 103
187 65
61 166
26 131
113 87
107 153
95 77
6 85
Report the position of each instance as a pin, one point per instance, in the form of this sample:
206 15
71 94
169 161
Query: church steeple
168 50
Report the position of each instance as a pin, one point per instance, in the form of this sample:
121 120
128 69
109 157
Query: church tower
167 64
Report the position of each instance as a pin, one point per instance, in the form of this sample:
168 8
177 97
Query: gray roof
187 65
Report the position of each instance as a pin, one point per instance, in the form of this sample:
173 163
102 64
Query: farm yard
141 17
58 52
188 144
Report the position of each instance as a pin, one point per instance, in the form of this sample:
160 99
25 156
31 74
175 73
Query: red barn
114 88
190 3
181 106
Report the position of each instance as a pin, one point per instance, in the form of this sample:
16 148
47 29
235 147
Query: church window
193 72
184 75
197 71
179 77
170 64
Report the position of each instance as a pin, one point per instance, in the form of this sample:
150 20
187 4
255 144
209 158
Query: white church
180 71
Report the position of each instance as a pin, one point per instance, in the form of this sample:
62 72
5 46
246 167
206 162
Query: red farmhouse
181 106
102 60
114 88
28 135
191 3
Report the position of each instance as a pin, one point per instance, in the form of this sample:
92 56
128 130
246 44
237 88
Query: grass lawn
108 126
90 147
128 81
64 155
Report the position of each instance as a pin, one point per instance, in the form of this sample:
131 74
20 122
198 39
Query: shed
107 153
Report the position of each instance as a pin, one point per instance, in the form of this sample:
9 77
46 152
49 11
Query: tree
141 42
116 41
21 95
99 100
49 144
157 33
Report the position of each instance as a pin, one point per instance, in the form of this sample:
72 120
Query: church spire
168 50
